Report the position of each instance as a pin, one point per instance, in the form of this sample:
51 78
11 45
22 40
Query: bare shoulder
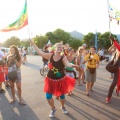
50 54
64 58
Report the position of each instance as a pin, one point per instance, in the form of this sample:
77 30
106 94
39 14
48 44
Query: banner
113 12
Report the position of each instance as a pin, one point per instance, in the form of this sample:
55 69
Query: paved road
80 106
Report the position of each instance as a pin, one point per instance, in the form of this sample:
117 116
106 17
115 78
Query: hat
84 45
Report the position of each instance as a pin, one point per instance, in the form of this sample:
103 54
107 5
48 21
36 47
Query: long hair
16 52
78 51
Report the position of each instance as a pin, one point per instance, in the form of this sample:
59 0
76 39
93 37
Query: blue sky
47 15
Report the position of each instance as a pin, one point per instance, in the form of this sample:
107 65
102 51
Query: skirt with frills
59 87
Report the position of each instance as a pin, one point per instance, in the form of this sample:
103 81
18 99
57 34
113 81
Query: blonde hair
80 48
58 44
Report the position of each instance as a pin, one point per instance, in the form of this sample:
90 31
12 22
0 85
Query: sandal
87 94
92 90
12 101
22 103
84 82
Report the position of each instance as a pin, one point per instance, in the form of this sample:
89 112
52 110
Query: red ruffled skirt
60 86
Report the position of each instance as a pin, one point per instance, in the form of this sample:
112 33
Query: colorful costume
118 76
56 82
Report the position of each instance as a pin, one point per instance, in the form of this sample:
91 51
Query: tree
89 39
104 41
1 44
51 36
61 35
75 43
25 43
40 41
12 41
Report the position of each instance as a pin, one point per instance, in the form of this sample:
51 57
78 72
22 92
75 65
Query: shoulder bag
12 76
112 66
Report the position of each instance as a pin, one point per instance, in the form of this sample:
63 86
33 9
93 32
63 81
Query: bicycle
43 69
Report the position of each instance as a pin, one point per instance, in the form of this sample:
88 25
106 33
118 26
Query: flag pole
28 23
96 41
109 16
29 37
28 31
109 24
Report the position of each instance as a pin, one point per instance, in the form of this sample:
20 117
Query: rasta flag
20 22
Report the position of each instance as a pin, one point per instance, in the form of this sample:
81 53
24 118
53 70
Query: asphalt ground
79 106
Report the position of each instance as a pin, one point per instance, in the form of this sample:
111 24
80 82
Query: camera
90 59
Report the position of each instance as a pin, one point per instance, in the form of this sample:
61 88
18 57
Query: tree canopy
61 35
12 41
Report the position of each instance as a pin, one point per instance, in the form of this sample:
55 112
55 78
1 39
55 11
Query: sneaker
64 110
107 100
52 113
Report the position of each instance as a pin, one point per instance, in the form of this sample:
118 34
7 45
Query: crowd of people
66 67
86 61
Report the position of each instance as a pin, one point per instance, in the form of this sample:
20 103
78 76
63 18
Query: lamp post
96 41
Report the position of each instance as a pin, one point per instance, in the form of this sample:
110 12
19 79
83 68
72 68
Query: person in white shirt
101 54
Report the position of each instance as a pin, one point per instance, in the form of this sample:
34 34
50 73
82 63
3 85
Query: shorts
90 77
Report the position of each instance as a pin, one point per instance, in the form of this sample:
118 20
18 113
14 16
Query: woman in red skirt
56 82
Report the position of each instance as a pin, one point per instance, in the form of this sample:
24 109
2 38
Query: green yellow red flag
21 22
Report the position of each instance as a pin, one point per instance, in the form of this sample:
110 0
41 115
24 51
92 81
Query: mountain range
80 35
76 34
